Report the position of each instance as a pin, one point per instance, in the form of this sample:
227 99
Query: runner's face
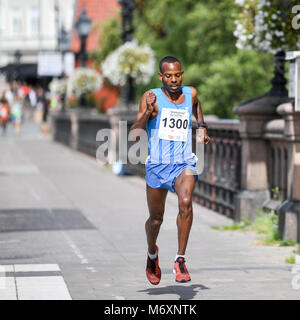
171 77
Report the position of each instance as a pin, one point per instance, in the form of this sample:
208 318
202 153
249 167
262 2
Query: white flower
58 86
240 2
130 59
84 80
239 45
268 36
279 33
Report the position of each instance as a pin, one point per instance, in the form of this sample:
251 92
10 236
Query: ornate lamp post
279 81
63 48
63 43
17 56
127 16
63 40
83 28
127 92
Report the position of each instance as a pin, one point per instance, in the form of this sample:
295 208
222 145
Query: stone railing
78 128
62 131
277 163
219 183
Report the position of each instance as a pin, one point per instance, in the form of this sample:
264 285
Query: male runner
166 114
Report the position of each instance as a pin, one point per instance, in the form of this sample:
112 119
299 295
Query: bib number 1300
178 123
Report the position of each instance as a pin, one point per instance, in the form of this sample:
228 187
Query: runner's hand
150 101
202 136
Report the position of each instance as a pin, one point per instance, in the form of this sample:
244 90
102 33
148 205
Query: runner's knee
156 221
185 205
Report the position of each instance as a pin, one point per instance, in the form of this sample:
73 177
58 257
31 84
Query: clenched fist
150 101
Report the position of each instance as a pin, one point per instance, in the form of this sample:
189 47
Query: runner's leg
184 187
156 199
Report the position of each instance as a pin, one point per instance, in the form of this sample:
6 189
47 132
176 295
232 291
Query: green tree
109 39
200 34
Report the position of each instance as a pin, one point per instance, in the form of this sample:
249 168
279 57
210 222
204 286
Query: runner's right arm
147 108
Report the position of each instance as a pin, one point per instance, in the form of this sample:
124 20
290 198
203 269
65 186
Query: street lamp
127 16
83 28
127 91
63 47
63 40
17 56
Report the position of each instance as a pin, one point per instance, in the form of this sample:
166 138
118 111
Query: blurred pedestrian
4 113
16 113
9 95
43 104
32 97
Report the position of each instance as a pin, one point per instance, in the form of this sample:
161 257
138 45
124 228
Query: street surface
71 229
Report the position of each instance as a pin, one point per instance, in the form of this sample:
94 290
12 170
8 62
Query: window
34 23
16 19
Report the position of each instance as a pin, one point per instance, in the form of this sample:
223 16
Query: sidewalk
59 207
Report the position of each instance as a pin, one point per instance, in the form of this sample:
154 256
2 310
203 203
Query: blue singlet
167 158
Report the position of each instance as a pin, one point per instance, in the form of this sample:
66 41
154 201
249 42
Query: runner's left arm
197 112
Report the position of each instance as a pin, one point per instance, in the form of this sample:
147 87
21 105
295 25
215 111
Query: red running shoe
153 271
182 275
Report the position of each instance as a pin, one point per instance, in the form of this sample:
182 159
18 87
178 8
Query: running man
166 114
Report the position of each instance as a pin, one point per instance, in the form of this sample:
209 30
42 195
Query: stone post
74 140
75 115
120 113
289 211
253 116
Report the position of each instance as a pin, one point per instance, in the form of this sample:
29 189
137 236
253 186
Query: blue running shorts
164 175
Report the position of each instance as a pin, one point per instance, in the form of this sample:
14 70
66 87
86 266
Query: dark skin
171 78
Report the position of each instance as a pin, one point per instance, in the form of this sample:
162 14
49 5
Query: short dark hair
168 59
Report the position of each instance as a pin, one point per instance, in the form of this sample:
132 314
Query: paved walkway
70 226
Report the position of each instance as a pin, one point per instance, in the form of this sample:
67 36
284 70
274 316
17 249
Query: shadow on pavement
185 292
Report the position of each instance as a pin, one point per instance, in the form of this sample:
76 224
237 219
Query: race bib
174 124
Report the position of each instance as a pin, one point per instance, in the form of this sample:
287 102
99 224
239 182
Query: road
71 229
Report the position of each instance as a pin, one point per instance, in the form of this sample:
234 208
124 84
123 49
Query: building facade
31 26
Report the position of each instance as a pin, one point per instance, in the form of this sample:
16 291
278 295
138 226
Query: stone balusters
289 212
253 116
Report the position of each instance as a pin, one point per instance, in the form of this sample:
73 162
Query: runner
166 114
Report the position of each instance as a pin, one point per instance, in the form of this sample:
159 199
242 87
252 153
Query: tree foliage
200 34
109 39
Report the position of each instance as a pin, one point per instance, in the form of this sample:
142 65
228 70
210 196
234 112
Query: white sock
153 256
179 255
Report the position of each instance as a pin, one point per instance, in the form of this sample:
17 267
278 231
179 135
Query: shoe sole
154 284
182 281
